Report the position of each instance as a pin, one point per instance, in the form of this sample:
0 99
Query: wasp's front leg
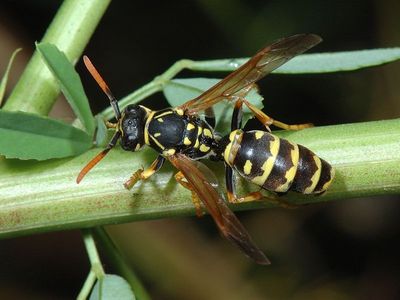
144 174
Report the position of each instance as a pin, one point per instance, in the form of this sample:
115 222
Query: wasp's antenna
98 157
103 85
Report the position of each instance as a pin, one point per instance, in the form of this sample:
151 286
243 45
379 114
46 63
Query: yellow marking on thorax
186 141
146 127
157 134
157 142
291 173
160 120
148 110
315 177
164 114
247 167
259 134
190 126
199 131
269 163
207 132
169 152
204 148
179 111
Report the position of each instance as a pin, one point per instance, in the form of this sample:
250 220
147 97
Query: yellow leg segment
195 199
254 196
268 121
144 174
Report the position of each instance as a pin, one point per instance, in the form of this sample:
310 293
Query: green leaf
101 133
313 63
4 80
113 287
178 91
29 136
70 83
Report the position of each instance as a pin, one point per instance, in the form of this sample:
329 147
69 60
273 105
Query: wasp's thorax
132 125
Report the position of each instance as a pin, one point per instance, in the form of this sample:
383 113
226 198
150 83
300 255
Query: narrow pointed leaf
30 136
313 63
4 80
70 83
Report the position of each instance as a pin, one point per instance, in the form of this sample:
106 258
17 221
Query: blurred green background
339 250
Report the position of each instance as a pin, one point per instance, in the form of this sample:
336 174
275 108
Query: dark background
340 250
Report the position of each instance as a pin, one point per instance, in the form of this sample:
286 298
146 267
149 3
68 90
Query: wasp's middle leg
180 178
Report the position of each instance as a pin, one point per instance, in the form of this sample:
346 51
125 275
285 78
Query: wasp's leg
144 174
236 122
210 116
268 121
180 178
231 190
254 196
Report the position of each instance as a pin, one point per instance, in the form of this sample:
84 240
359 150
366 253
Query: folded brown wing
228 224
261 64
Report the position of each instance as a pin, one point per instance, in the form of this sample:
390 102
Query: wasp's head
132 126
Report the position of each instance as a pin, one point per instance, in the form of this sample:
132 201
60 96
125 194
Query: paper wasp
181 136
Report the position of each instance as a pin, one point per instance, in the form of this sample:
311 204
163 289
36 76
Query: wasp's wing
203 183
261 64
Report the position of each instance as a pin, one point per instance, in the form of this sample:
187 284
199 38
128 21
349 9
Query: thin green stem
70 31
114 254
95 262
87 286
156 85
91 249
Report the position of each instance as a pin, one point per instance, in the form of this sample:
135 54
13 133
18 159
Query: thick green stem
43 196
70 31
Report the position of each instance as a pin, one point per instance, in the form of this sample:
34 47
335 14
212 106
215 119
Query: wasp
180 135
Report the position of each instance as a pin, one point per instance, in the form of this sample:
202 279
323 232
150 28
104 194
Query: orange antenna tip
91 164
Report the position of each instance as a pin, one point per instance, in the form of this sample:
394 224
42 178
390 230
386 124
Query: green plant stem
91 249
43 196
87 286
119 262
156 85
70 31
96 270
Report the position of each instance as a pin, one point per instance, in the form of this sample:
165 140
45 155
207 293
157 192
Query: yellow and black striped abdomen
279 165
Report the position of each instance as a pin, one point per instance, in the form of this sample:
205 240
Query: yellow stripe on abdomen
269 163
315 177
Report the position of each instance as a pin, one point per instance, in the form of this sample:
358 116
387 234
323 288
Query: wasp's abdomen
279 165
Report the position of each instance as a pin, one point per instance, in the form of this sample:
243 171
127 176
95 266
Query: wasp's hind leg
210 116
180 178
253 196
268 121
144 174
